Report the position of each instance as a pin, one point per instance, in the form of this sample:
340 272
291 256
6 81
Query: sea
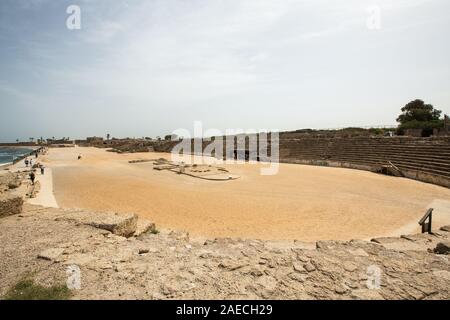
9 154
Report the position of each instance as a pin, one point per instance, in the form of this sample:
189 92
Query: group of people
28 162
33 169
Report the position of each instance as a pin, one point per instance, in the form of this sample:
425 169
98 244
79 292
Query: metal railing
425 222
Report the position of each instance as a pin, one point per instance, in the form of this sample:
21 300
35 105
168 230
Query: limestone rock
144 226
14 184
309 267
349 266
302 258
231 265
358 252
446 228
298 267
443 247
366 294
10 180
80 259
10 204
340 290
122 225
442 274
51 254
383 240
328 245
304 245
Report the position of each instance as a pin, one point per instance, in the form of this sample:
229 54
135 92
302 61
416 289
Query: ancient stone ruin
10 204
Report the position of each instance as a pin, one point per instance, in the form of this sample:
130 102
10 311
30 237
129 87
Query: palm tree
107 136
17 140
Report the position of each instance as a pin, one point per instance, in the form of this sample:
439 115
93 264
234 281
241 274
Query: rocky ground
47 242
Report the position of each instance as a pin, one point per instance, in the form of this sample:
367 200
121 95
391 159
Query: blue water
7 154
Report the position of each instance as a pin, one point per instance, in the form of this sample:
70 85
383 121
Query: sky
148 67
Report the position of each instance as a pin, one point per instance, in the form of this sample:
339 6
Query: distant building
94 140
60 141
414 132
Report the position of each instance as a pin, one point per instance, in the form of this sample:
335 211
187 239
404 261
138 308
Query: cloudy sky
147 67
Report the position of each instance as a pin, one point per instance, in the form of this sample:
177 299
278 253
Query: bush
26 289
414 124
426 126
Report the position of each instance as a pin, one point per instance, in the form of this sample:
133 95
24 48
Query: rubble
170 265
10 205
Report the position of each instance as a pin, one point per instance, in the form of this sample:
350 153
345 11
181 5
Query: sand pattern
301 202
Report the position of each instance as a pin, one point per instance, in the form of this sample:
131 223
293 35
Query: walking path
45 196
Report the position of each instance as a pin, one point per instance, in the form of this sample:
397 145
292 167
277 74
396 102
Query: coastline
20 157
45 197
5 165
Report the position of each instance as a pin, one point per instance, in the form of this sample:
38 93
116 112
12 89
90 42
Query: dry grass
26 289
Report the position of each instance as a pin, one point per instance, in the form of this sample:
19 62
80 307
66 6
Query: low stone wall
326 163
427 177
10 205
411 174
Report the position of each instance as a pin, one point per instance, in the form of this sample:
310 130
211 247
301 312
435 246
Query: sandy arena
305 203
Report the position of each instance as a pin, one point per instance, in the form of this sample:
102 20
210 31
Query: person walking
26 162
32 177
42 170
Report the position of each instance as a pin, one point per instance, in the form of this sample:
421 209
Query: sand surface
45 197
300 202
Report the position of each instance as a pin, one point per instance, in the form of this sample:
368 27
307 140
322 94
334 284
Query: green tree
417 110
171 137
418 115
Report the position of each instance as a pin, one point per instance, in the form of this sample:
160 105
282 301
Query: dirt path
300 202
45 197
